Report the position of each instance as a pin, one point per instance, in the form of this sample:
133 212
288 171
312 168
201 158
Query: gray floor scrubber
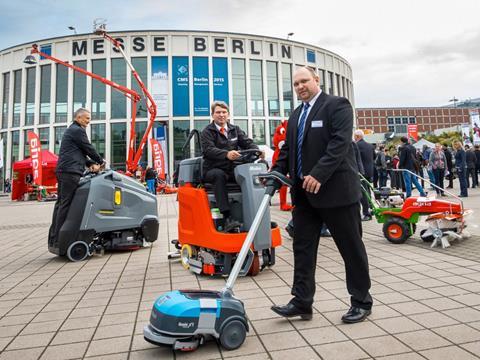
109 211
184 319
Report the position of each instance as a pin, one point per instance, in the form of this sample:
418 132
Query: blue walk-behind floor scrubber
184 319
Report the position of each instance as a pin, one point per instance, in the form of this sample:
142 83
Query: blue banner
180 84
220 79
201 96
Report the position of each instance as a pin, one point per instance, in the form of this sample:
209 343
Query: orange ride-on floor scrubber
203 247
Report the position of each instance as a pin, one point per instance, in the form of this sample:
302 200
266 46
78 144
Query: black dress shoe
366 218
355 314
291 310
289 230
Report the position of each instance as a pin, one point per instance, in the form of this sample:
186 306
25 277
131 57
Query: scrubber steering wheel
248 156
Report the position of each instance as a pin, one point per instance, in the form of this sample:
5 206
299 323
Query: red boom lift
133 156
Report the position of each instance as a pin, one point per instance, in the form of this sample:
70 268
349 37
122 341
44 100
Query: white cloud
410 52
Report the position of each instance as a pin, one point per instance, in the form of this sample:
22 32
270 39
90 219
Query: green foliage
445 138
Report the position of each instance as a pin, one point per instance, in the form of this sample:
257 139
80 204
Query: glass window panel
272 89
339 87
398 120
6 93
30 98
80 86
99 90
119 100
59 131
404 120
45 86
61 94
239 88
98 138
321 74
200 124
26 145
44 135
330 83
412 120
242 124
15 146
256 88
140 64
140 128
390 120
181 128
258 132
4 137
118 148
273 126
17 93
391 128
287 89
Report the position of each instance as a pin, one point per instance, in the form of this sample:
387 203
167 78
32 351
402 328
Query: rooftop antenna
99 26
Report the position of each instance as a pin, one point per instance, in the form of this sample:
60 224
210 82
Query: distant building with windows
184 70
428 119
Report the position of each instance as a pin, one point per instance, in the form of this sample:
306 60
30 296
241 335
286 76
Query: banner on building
475 121
412 130
36 157
220 79
161 137
466 134
160 84
201 95
180 86
158 158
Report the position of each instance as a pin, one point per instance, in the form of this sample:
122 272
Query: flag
158 158
36 157
412 130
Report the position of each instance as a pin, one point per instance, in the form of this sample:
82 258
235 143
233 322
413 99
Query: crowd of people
440 165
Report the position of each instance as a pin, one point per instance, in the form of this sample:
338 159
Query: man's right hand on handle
233 155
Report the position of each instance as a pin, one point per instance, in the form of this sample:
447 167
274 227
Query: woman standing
438 163
461 166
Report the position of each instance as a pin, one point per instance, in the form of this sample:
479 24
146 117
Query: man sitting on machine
220 144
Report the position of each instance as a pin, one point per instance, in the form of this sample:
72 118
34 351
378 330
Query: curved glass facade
184 71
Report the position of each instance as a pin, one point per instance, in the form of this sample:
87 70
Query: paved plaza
427 302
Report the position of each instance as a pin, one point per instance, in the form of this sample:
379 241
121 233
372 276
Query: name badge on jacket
317 123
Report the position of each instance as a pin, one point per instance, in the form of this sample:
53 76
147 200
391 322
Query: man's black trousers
345 226
67 184
219 178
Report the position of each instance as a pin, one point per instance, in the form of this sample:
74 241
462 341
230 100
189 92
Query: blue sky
403 53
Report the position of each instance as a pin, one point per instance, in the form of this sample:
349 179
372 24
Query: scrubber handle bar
276 180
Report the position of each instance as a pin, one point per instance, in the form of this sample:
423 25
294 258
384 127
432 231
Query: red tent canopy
23 168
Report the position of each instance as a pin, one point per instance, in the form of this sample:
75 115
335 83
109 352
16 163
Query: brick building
382 120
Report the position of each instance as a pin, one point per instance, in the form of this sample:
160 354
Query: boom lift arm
133 156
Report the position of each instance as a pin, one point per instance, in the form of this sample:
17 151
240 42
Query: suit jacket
327 152
215 146
367 153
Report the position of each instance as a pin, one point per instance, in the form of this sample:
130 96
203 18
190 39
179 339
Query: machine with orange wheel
204 247
399 216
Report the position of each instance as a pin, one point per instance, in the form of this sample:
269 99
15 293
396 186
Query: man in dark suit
76 154
221 142
318 155
367 153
